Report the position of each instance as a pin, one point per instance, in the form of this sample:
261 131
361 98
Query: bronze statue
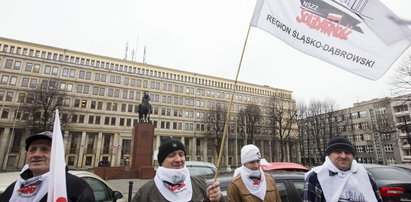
144 108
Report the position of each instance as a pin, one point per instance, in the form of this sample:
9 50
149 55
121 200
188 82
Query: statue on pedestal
144 108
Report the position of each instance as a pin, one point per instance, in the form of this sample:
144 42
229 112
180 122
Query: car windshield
389 174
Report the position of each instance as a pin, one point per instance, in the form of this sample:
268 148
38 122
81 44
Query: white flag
358 36
57 191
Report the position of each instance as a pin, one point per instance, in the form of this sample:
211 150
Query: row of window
12 80
130 69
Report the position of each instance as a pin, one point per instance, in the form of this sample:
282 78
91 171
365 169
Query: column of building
4 146
98 149
81 151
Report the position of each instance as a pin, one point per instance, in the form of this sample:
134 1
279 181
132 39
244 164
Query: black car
394 183
289 184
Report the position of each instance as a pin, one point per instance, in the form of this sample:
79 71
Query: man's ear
25 157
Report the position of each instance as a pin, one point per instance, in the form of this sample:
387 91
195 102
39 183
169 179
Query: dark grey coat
150 193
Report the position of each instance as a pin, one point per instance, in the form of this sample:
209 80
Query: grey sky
197 36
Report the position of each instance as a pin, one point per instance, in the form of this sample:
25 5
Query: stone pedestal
142 157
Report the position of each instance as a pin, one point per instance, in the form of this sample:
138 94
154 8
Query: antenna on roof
135 53
126 52
144 55
132 55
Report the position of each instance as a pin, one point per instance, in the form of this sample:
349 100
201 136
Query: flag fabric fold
358 36
57 191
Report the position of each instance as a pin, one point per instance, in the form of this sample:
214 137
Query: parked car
102 190
394 183
404 166
289 166
200 168
289 184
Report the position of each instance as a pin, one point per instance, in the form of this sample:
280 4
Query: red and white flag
358 36
57 191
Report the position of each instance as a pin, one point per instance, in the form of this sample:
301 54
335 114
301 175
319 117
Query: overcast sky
198 36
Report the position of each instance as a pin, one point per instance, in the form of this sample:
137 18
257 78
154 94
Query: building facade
103 95
376 127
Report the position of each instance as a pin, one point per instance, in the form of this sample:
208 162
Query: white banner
358 36
57 177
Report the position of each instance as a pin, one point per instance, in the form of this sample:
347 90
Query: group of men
340 178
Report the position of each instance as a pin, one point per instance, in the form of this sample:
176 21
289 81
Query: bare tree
318 122
401 81
248 120
303 139
215 126
282 116
40 106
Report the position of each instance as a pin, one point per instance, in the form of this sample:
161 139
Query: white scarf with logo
30 190
174 184
255 187
350 185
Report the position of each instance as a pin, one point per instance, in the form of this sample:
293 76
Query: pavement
122 185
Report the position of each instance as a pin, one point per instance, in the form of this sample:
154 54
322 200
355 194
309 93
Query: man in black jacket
173 181
32 184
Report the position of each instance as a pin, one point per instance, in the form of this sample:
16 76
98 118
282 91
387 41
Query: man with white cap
250 183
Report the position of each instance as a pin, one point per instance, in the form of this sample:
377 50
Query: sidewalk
122 185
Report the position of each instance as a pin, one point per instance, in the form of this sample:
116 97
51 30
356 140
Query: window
36 68
93 105
17 65
81 74
65 72
102 90
381 110
69 87
388 148
47 69
28 68
4 79
5 114
95 90
9 96
72 73
79 88
9 63
86 89
401 108
55 70
98 118
88 75
97 77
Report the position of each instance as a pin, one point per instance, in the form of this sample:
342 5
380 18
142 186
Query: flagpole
227 118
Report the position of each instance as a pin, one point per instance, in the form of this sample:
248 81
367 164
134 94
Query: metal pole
130 190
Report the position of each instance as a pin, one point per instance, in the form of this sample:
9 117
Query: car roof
404 165
199 163
366 165
9 177
283 166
